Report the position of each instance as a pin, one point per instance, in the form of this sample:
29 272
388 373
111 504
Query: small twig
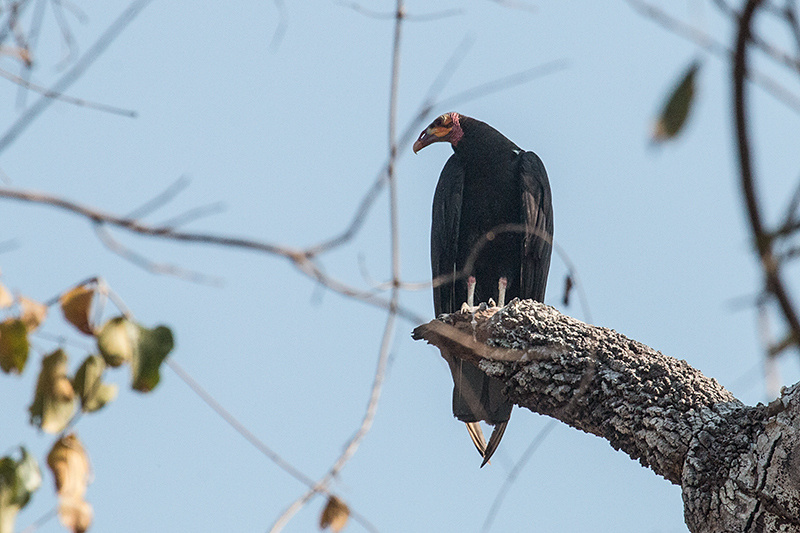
33 40
790 13
513 4
42 520
73 74
587 314
172 191
257 443
47 93
66 33
193 214
358 8
715 47
283 25
769 263
512 476
151 266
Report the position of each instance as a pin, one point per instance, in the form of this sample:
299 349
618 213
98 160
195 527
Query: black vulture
491 237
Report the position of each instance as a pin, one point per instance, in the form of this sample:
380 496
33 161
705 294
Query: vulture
491 238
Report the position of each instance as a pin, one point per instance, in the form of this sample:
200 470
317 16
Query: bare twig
175 188
33 40
47 93
371 13
193 214
283 24
151 266
388 332
715 47
74 73
769 263
512 476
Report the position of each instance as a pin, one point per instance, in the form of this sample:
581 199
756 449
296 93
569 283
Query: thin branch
142 262
193 214
358 8
66 33
512 476
388 332
790 13
172 191
587 314
42 520
33 40
47 93
283 25
73 74
514 4
257 443
763 244
705 41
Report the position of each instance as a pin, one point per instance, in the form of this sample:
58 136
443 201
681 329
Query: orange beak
429 136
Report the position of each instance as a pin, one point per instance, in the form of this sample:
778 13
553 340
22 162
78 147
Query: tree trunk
738 466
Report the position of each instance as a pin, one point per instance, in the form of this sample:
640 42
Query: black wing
444 234
537 212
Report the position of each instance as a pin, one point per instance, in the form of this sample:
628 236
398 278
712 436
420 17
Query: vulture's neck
484 147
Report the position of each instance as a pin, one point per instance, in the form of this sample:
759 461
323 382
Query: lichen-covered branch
739 466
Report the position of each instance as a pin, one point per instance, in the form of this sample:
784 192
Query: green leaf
116 341
13 345
676 110
18 481
122 340
89 387
54 401
154 346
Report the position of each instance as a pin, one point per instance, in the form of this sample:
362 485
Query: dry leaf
334 515
6 299
76 305
33 313
54 401
70 466
75 515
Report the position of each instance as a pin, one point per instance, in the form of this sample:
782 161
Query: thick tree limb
739 466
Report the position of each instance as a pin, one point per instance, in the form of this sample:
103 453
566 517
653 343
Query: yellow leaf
70 466
54 400
76 305
33 313
334 515
6 299
13 345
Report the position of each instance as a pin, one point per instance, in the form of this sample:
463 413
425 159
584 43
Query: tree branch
735 464
761 239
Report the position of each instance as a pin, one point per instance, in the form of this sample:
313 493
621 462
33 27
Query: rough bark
738 466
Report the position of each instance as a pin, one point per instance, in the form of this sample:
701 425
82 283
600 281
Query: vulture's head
445 128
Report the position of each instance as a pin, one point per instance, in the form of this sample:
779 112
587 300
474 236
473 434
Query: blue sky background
289 138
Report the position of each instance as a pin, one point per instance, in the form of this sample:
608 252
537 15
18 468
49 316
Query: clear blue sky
289 138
